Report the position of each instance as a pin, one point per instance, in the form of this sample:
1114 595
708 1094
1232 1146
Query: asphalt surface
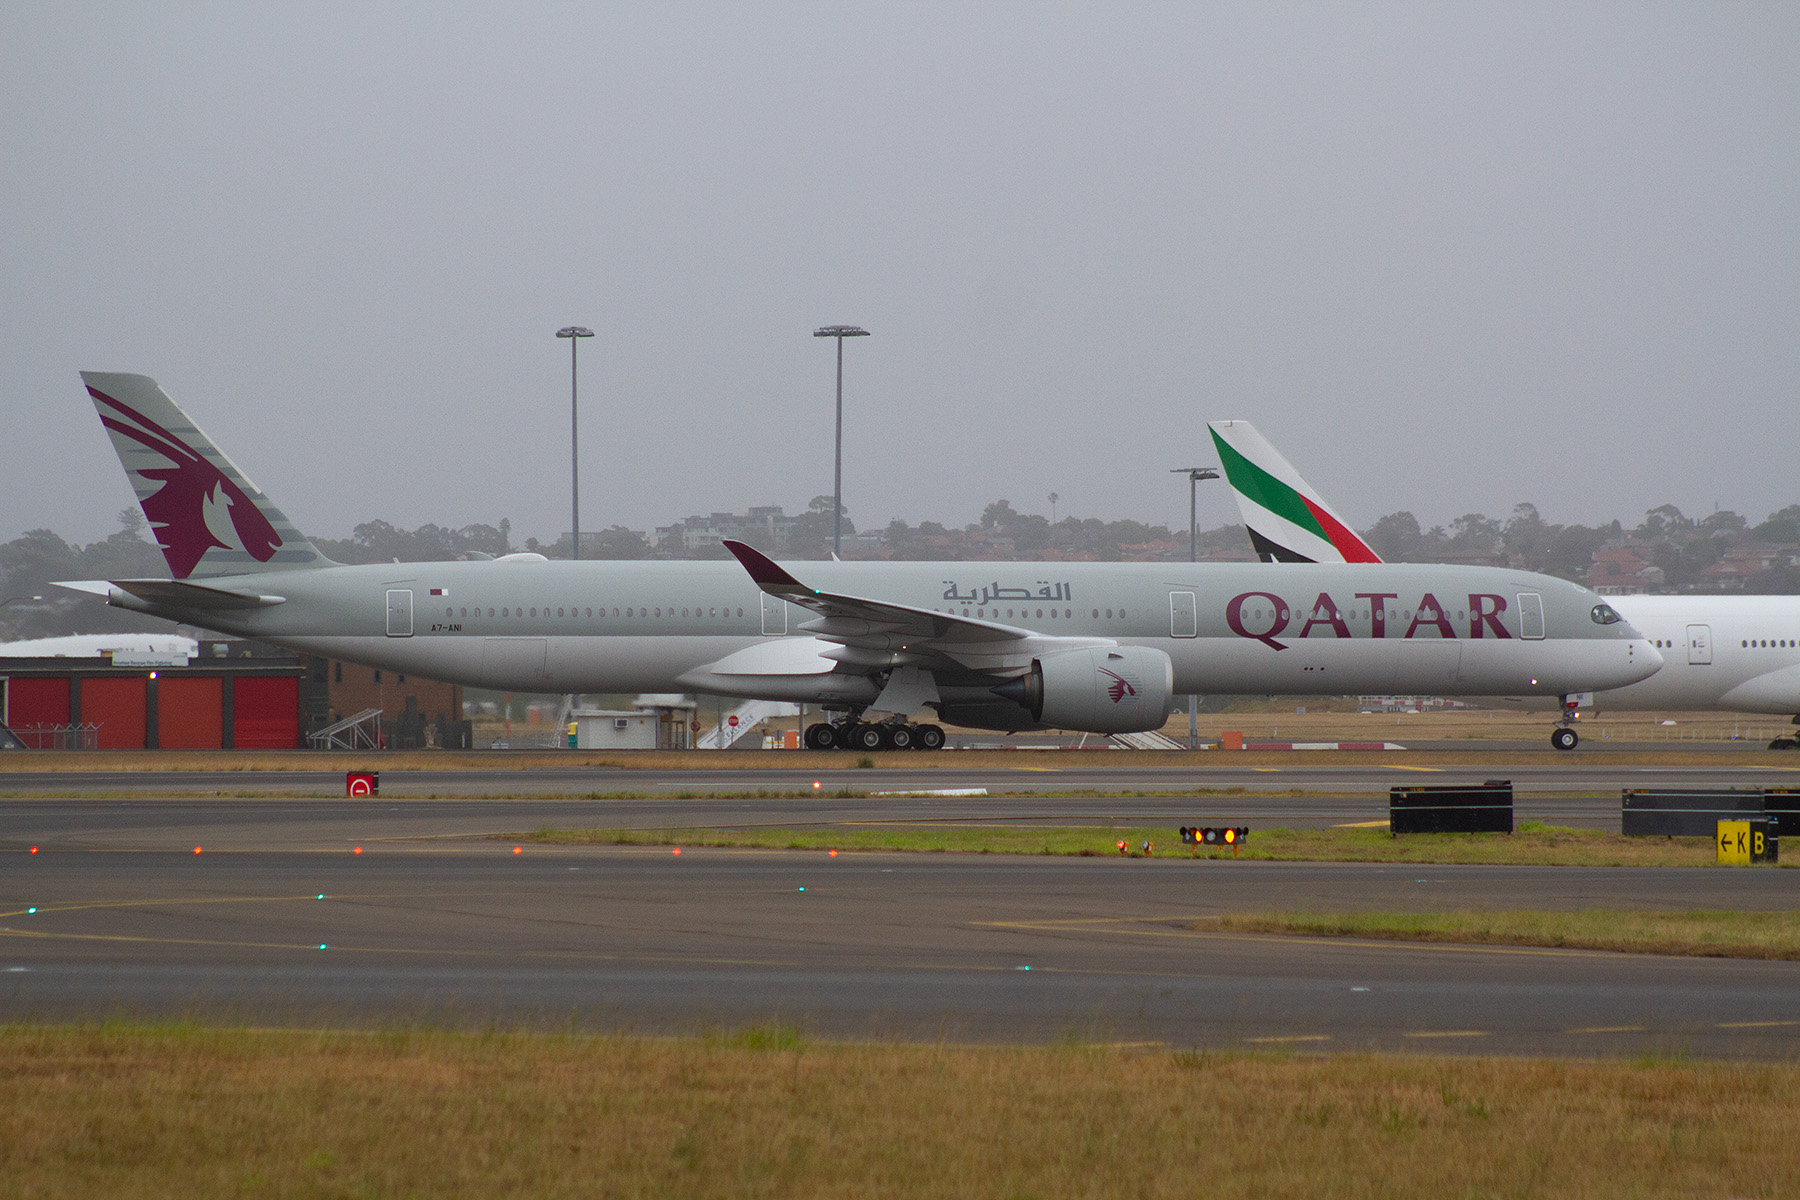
279 920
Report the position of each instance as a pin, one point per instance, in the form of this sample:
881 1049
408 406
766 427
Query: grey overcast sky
1448 257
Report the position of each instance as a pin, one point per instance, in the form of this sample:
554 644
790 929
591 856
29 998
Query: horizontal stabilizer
152 595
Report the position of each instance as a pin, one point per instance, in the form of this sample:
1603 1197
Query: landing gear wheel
900 737
866 737
1564 739
821 737
928 737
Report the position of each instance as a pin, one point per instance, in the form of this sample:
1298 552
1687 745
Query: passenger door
1699 640
774 615
1184 620
1531 616
399 612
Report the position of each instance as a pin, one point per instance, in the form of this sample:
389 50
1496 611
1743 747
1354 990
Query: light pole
1195 475
574 333
840 332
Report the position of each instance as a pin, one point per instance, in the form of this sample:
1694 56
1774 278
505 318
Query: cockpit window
1605 614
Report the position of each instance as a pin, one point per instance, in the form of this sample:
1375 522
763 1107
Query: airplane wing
877 635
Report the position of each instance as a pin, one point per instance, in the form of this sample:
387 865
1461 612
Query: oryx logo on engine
1120 687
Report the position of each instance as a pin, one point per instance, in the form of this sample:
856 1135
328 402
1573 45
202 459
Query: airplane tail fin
1288 521
206 515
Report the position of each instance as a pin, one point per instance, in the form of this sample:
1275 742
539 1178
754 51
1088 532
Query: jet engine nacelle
1121 689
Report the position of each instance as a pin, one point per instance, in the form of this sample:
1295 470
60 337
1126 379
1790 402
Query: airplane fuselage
1738 653
660 626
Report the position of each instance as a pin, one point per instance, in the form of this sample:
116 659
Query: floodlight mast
840 332
1195 475
574 333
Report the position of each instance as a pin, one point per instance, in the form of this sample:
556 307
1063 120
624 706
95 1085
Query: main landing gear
1564 737
850 734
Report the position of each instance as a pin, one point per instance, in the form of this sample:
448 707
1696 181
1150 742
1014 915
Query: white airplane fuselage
1737 653
666 626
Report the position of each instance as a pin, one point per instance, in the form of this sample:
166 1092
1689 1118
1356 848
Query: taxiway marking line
1756 1024
1123 925
1610 1029
1398 767
1447 1033
1297 1037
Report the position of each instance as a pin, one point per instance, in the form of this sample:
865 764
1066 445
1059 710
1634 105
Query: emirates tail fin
1288 521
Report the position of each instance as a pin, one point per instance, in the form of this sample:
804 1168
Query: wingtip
763 569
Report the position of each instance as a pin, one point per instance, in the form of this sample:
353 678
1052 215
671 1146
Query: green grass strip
1702 933
1532 845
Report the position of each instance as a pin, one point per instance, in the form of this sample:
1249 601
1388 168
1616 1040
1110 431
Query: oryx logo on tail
197 507
204 512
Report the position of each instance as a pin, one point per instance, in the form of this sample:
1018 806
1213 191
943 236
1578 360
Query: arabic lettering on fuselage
991 593
1268 616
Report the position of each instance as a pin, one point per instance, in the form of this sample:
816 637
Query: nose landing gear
1564 737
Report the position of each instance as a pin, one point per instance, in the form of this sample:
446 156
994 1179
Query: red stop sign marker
732 720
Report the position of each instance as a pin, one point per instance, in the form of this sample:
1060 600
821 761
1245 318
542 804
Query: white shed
602 729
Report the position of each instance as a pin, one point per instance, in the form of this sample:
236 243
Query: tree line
1681 546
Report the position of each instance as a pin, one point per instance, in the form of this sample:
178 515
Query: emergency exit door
399 612
1699 645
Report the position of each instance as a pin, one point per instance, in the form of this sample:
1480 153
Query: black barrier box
1685 812
1487 808
1782 805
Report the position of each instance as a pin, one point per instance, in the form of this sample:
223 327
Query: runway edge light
1210 835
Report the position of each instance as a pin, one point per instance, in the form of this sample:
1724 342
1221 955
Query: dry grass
1695 739
1766 935
128 1113
1532 845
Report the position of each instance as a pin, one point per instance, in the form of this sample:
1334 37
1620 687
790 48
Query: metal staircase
360 732
1147 741
750 714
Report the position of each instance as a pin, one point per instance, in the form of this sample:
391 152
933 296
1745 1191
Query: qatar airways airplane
1098 647
1737 653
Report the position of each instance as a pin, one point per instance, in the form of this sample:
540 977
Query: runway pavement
278 920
